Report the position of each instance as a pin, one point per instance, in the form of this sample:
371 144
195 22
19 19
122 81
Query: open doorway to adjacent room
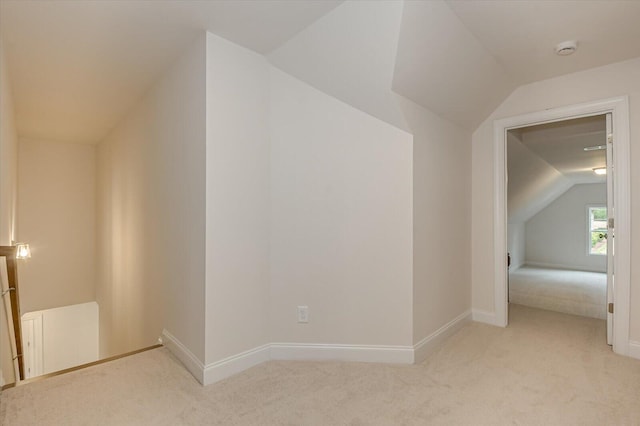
618 195
557 216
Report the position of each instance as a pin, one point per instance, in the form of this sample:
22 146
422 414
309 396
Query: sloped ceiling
561 145
350 54
544 161
442 66
521 35
461 58
533 183
76 67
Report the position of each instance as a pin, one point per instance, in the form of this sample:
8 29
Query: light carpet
546 368
572 292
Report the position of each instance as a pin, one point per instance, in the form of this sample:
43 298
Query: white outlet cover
303 314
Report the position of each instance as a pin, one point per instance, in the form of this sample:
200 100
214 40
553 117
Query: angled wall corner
305 198
151 214
441 221
336 232
237 200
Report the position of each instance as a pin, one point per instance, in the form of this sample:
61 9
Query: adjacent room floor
571 292
546 368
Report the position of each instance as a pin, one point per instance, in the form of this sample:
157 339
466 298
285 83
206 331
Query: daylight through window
598 230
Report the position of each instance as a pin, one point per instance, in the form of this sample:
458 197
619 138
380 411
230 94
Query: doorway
619 175
557 216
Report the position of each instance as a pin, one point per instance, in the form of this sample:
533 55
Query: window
597 230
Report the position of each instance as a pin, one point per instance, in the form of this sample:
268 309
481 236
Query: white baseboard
634 349
355 353
190 361
235 364
211 373
483 316
424 347
561 266
515 266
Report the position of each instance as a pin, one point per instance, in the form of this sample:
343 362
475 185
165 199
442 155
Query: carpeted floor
546 368
572 292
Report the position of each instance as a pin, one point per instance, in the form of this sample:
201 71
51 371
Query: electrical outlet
303 314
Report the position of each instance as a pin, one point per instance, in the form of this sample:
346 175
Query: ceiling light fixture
566 48
595 148
600 170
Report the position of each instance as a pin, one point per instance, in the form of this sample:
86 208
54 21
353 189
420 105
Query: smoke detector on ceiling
566 48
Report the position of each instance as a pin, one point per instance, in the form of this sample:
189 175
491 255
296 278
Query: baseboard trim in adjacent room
561 266
354 353
515 267
234 364
424 347
634 349
483 316
180 351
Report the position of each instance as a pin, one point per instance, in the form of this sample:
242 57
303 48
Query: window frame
589 231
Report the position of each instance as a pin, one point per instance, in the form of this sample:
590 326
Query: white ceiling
461 61
522 34
546 160
532 182
77 66
350 54
442 66
562 144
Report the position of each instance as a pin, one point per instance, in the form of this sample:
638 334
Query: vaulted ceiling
545 160
562 145
76 67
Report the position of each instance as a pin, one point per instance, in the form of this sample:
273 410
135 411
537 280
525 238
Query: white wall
341 214
237 200
8 191
557 236
308 201
57 217
516 244
338 188
151 220
598 83
441 219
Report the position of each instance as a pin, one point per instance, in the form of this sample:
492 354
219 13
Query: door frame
619 108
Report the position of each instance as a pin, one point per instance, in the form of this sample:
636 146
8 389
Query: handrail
9 252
